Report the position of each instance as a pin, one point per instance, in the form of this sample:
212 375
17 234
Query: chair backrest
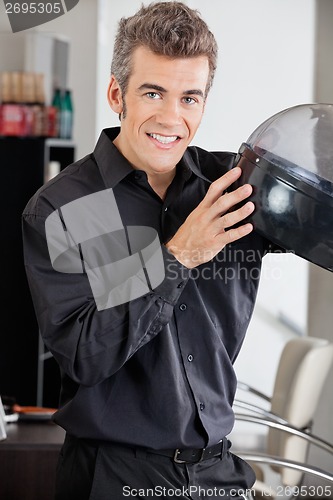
301 373
3 433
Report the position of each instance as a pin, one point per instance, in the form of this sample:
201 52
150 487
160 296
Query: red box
12 122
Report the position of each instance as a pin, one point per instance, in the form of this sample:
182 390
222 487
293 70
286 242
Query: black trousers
102 471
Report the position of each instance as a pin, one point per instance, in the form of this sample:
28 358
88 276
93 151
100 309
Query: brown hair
166 28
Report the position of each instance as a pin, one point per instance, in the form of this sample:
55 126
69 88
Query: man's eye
189 100
153 95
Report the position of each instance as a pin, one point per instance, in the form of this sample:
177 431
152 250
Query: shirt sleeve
90 344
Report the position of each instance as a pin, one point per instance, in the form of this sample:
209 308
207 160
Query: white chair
3 433
302 370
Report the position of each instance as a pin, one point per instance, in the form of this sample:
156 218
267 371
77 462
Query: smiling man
147 383
162 113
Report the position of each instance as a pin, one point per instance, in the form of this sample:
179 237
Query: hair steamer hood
288 160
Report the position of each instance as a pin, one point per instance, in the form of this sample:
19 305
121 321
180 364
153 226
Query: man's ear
115 96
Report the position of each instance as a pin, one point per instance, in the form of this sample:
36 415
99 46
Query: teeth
163 139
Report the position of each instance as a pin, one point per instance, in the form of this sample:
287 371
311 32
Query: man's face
164 105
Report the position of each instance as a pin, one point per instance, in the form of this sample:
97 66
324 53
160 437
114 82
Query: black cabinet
28 459
22 164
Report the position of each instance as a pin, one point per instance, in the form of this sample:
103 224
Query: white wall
11 53
265 64
109 13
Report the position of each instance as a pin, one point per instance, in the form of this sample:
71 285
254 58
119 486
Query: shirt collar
114 167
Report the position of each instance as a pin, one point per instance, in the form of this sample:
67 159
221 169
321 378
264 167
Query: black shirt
155 371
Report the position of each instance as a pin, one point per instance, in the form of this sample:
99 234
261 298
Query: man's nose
169 113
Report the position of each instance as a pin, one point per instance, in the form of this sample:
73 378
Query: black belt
180 456
183 456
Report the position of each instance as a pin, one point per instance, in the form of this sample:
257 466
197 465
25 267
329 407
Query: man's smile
164 139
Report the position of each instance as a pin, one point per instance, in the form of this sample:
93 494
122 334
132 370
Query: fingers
229 200
226 235
216 203
235 234
223 210
217 188
234 217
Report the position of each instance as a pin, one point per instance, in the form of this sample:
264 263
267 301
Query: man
146 334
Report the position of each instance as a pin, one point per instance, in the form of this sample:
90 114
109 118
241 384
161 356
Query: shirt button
182 307
190 358
166 209
202 406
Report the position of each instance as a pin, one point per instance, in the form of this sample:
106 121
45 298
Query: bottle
12 116
39 108
66 115
6 88
56 104
32 120
39 88
16 84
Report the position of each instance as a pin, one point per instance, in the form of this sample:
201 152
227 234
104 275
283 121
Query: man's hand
204 233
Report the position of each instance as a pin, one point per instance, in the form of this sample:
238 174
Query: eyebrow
158 88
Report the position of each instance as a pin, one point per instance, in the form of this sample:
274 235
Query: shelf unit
23 166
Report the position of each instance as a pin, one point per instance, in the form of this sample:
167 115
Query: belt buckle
202 455
175 459
178 451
